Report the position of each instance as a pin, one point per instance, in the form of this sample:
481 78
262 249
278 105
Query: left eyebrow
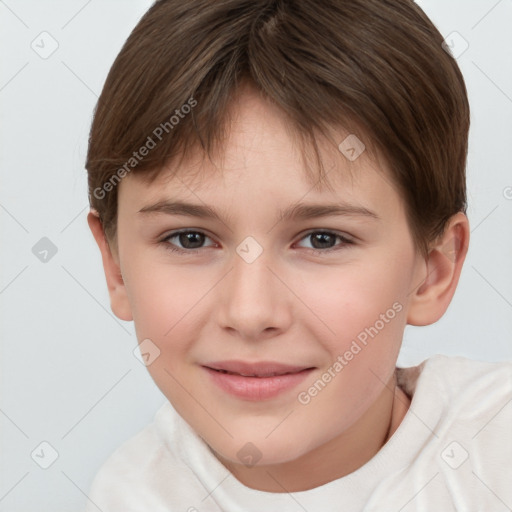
301 211
310 211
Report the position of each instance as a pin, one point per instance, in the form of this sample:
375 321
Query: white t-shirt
452 451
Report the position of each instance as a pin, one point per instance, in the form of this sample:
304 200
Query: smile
255 381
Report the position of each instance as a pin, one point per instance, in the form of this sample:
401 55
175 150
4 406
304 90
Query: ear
116 288
431 298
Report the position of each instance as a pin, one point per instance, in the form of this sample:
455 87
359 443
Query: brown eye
322 240
185 241
191 239
325 241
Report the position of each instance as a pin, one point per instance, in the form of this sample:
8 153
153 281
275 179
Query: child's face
297 303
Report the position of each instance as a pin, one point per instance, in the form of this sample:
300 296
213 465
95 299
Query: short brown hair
376 65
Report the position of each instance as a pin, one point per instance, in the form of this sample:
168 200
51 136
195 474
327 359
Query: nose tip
253 303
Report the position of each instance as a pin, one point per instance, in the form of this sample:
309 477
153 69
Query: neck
338 457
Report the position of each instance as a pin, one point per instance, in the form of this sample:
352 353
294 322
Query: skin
294 304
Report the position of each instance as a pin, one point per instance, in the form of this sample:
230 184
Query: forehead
263 155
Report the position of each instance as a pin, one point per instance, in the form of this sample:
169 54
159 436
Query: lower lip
257 388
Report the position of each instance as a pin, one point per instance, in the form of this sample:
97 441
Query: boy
277 351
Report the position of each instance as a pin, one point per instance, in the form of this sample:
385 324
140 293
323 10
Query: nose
255 303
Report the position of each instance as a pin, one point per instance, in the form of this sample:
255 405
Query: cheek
363 313
168 305
162 296
363 308
354 298
165 303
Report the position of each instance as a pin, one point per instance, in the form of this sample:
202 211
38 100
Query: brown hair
377 66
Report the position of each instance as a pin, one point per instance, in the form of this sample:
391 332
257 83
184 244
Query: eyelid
340 234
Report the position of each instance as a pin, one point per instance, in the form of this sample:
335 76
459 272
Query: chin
258 452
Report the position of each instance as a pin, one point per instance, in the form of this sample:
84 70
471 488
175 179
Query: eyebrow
301 211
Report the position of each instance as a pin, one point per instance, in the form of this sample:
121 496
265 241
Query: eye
190 241
322 241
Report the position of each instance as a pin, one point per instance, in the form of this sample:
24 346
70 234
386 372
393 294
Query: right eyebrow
182 208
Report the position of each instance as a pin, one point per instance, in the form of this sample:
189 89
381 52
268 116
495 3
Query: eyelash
171 247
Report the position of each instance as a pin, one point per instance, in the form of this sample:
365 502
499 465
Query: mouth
260 375
257 369
256 381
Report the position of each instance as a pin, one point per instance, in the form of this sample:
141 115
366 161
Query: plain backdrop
69 378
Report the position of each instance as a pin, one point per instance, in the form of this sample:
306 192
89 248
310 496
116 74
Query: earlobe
431 298
119 302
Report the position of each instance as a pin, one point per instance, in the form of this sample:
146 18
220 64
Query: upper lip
256 369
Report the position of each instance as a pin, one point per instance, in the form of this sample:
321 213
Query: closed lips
273 374
261 369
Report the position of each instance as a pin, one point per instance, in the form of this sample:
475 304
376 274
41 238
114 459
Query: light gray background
69 376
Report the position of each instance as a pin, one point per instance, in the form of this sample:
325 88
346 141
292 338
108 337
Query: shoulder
466 365
129 459
462 375
452 393
458 376
464 401
131 472
459 427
